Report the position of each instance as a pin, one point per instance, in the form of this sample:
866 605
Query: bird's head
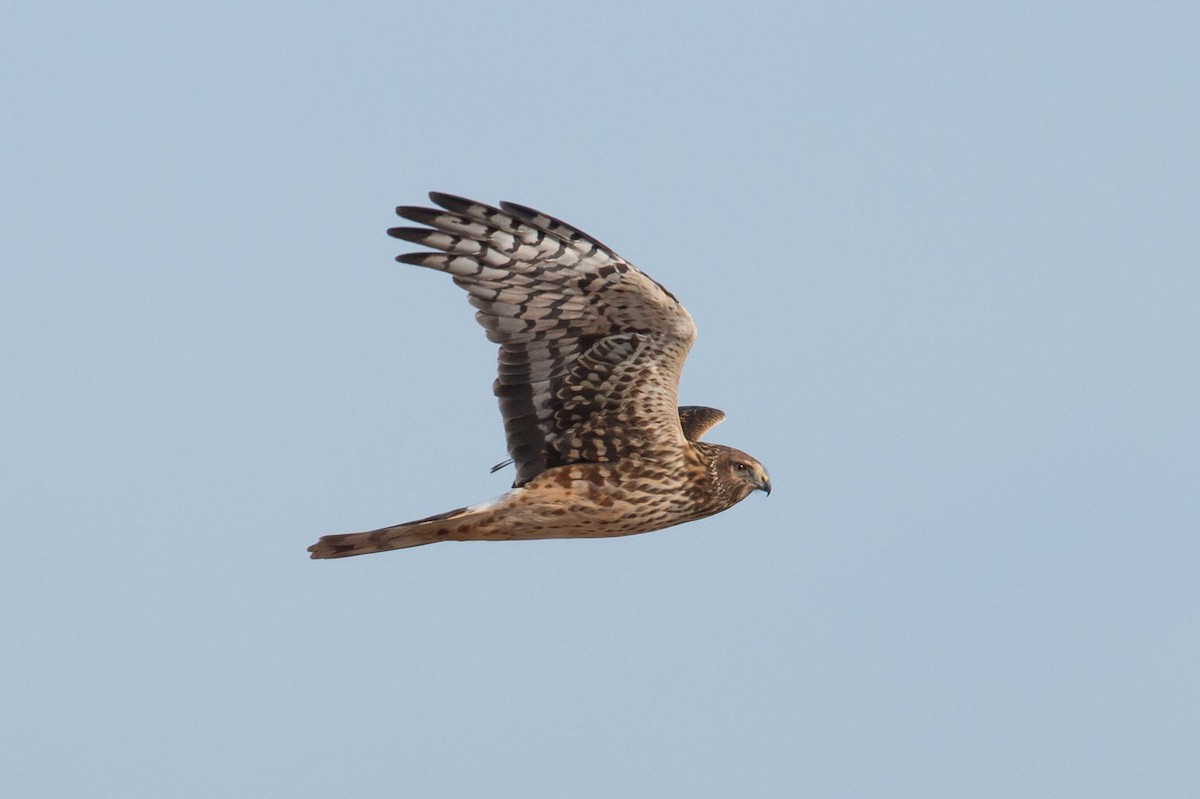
737 474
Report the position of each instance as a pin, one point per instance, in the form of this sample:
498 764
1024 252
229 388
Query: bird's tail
456 525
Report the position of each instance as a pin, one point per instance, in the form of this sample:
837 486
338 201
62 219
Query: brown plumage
591 350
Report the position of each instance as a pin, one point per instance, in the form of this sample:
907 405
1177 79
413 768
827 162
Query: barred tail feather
460 524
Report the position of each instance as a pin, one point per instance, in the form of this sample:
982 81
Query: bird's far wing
591 349
698 420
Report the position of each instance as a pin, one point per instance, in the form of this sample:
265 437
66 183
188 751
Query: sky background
943 260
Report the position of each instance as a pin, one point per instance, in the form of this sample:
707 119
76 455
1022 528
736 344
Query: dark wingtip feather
453 202
523 211
416 213
417 235
415 258
398 232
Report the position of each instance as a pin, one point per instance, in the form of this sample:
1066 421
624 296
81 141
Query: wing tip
415 235
453 202
419 214
417 258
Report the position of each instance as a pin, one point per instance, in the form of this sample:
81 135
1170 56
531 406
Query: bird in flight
591 350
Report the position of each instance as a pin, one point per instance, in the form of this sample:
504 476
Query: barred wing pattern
591 349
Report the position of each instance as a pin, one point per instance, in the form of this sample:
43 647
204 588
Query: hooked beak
764 483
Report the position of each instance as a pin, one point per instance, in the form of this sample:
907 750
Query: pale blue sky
943 259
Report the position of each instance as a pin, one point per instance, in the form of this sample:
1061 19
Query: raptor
591 351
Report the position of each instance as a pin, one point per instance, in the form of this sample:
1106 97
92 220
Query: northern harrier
590 355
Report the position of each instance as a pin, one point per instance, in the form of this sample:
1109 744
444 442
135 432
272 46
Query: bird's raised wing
591 349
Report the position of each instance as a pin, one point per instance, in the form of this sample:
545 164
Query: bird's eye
741 467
